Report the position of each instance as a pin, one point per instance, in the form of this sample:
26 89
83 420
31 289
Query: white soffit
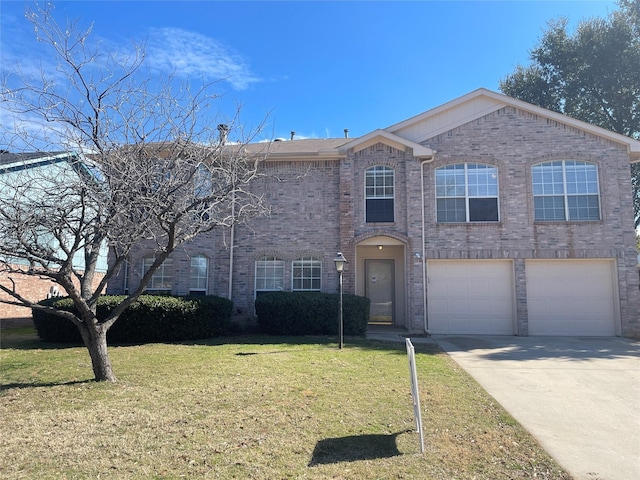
383 136
482 102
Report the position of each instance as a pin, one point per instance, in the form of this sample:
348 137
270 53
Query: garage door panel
571 297
467 297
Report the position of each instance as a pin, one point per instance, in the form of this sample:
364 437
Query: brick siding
318 209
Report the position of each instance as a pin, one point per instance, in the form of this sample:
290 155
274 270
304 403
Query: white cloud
191 54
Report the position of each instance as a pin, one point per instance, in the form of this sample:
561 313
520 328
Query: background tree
150 168
592 75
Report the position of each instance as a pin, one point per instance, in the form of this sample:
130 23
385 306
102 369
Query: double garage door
564 297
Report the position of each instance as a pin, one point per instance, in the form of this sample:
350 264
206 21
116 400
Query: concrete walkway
579 397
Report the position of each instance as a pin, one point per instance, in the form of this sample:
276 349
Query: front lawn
252 408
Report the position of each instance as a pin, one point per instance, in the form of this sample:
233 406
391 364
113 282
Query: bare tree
145 169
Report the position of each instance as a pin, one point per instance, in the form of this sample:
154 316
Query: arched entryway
381 277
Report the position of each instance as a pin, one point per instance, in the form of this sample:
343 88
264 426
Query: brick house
486 215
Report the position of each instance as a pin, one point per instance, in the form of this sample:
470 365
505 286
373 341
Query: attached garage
471 297
571 297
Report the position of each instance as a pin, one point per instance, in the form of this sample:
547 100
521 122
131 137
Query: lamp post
340 261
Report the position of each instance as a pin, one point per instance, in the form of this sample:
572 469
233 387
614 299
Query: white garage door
470 297
571 297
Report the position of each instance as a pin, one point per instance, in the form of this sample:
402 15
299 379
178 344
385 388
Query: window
467 192
565 190
379 194
199 275
162 278
307 274
125 282
202 182
269 275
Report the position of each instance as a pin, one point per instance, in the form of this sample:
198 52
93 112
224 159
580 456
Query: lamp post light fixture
340 262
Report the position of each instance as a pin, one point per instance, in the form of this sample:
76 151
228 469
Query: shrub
302 313
151 318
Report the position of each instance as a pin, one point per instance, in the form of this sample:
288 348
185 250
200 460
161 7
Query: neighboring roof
11 161
481 102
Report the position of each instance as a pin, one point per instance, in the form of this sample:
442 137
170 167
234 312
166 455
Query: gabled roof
383 136
481 102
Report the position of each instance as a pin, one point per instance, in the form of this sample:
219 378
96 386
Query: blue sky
317 67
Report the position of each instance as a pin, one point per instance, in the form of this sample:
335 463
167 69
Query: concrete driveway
579 397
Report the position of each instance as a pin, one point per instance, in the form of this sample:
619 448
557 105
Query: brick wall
30 287
318 210
513 141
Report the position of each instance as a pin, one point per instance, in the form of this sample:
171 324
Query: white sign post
415 394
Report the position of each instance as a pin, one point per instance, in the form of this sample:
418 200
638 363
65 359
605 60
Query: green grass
252 408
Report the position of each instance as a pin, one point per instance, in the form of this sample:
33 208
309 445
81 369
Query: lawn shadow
354 448
9 386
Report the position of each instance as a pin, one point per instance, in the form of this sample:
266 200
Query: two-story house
486 215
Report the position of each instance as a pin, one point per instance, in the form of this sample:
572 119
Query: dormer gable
387 138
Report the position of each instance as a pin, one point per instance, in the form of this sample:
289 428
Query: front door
380 289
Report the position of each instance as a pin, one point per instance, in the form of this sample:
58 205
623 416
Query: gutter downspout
424 249
231 242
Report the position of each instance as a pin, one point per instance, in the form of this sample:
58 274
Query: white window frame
467 196
163 275
202 182
565 195
382 191
197 278
269 275
309 270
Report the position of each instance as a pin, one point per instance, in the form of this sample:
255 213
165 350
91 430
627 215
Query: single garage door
571 297
470 297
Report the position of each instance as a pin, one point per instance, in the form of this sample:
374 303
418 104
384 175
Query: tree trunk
95 339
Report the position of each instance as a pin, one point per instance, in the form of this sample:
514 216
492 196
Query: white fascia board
330 155
36 161
435 111
633 146
390 139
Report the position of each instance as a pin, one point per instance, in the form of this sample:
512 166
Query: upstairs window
379 194
467 192
202 182
565 191
199 276
269 275
162 278
307 275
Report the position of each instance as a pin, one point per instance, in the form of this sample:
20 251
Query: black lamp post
340 261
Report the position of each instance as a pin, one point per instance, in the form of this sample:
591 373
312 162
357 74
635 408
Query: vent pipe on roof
293 134
224 133
346 133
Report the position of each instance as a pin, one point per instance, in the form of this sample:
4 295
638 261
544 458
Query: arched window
467 192
269 275
307 275
199 276
379 194
565 190
162 278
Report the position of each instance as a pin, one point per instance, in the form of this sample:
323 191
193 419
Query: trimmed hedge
151 318
310 313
